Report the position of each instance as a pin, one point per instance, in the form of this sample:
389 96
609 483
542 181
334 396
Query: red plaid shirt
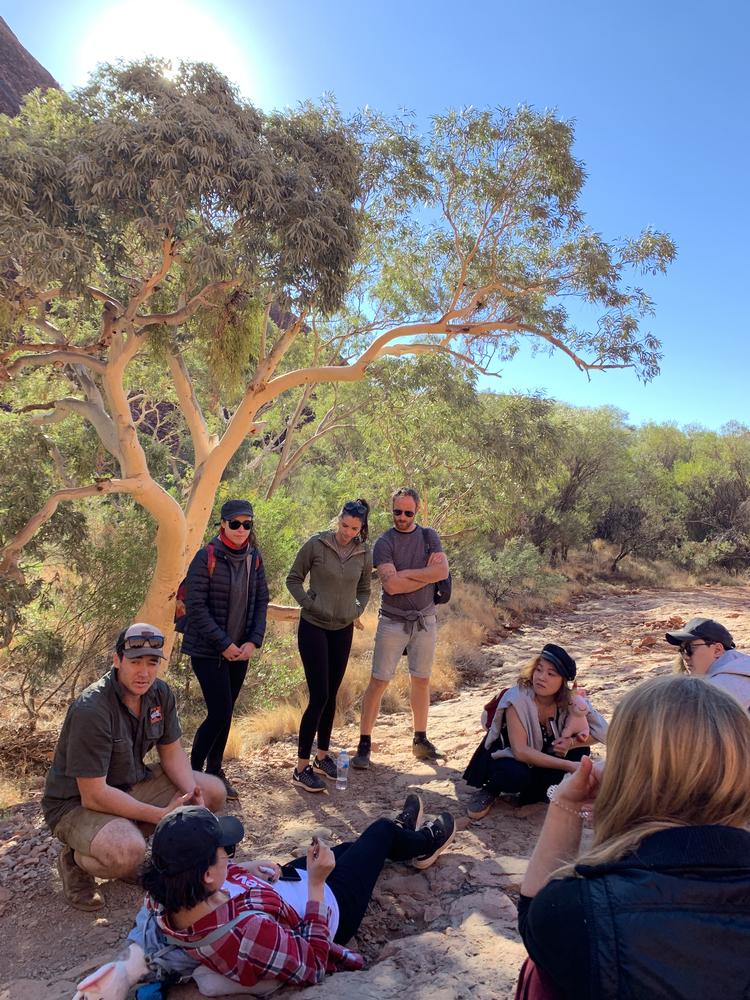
272 942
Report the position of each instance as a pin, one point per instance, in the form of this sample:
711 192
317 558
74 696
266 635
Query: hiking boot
79 887
480 803
442 831
308 780
327 767
411 815
361 760
232 794
424 750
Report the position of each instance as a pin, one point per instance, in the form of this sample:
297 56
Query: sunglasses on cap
397 512
234 524
354 507
146 640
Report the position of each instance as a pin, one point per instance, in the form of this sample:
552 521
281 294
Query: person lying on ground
524 751
100 799
659 905
260 924
707 650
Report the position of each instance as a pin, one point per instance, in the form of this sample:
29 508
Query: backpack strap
211 937
211 558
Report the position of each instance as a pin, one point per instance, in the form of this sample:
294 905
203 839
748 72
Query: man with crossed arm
410 561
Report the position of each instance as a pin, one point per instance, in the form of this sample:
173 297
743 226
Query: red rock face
20 73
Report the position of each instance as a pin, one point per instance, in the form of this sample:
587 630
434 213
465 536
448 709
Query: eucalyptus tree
151 229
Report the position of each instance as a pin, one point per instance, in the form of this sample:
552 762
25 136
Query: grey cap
702 628
149 634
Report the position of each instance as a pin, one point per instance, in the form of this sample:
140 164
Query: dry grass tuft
10 793
464 625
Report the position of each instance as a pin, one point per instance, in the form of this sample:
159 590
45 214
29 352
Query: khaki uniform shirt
102 738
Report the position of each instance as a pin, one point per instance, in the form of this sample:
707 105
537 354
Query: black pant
359 864
221 681
506 774
325 654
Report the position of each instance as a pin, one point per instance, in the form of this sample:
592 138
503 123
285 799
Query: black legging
359 864
325 654
220 681
506 774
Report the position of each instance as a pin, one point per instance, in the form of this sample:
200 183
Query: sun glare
169 29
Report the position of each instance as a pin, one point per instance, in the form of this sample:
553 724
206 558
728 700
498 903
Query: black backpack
442 587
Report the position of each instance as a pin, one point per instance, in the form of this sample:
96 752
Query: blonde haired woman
525 751
659 905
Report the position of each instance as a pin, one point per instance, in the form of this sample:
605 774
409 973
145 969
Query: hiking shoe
424 750
361 760
308 780
232 794
480 803
79 887
411 815
327 767
442 830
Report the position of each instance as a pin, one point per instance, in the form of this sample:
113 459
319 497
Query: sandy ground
448 933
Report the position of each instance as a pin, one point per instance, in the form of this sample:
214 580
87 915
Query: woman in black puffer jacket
226 605
658 906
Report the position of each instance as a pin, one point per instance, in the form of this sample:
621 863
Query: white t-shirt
295 894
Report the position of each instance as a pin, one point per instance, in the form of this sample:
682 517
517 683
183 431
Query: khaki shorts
392 637
79 826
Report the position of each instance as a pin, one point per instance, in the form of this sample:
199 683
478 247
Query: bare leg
419 695
117 849
371 705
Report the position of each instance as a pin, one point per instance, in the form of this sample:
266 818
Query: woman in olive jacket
338 564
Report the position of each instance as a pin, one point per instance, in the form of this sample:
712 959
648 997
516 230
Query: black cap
702 628
235 508
562 661
189 835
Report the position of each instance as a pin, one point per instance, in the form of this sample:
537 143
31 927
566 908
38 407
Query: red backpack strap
491 707
211 558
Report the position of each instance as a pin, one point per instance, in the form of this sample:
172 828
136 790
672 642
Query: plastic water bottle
342 770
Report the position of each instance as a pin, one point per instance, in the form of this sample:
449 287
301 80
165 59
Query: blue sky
658 90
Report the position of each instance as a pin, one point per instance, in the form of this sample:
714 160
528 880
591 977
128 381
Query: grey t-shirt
407 550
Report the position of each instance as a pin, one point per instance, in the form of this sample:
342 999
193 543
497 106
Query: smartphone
289 874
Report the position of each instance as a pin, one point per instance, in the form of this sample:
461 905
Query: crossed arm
406 581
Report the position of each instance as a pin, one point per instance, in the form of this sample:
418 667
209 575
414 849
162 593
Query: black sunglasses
404 513
231 850
353 507
689 648
146 640
235 524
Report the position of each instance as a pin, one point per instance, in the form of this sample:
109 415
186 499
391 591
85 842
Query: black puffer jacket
207 603
669 922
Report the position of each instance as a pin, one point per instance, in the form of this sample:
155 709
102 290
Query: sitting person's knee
214 792
119 848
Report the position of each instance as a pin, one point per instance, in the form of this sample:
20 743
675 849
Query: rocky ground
448 933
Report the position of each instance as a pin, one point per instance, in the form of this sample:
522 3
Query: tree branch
186 311
11 552
203 440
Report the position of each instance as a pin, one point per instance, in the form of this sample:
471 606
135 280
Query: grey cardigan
522 699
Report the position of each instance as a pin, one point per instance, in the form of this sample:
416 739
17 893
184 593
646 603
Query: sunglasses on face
352 507
689 648
397 512
147 640
230 851
234 524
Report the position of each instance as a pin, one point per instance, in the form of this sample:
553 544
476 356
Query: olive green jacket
337 591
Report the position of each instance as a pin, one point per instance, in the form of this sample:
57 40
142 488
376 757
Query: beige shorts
79 826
